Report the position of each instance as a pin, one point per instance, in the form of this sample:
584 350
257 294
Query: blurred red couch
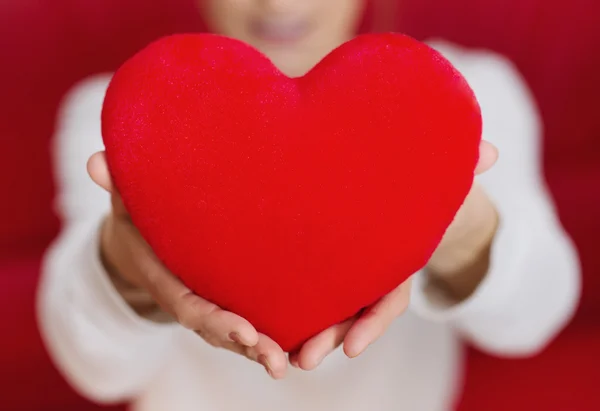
48 45
555 45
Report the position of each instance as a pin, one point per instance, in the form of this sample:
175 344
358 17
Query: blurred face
294 34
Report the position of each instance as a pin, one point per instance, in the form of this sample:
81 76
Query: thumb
98 171
488 155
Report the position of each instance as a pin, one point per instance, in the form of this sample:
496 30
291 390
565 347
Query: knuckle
192 315
197 307
187 319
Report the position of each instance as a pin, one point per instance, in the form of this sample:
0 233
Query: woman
504 277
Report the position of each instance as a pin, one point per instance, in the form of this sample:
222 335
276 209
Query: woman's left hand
466 242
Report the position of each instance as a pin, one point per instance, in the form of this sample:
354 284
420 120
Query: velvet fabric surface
292 202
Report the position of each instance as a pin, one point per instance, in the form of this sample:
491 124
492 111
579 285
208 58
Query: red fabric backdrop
555 45
48 45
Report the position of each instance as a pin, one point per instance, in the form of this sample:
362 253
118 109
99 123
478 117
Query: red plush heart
292 202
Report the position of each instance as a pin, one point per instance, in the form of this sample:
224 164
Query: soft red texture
292 202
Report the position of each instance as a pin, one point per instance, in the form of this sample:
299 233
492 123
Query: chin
295 70
290 63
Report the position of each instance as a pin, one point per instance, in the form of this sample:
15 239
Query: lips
280 31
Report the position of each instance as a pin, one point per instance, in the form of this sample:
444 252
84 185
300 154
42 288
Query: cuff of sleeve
103 348
509 249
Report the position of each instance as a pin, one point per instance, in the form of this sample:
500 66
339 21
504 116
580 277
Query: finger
293 359
376 319
266 352
488 155
270 355
215 325
222 326
193 312
118 207
314 351
98 171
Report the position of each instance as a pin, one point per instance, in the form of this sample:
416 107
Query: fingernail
235 337
262 360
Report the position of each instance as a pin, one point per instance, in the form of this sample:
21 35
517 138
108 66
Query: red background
48 45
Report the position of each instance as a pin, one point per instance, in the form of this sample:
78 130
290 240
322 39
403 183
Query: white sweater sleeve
532 287
101 346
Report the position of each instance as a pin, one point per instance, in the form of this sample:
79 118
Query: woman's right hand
148 287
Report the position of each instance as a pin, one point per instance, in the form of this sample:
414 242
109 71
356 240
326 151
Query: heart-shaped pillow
292 202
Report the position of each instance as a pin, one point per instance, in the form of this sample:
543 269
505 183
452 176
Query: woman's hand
147 285
153 292
458 264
